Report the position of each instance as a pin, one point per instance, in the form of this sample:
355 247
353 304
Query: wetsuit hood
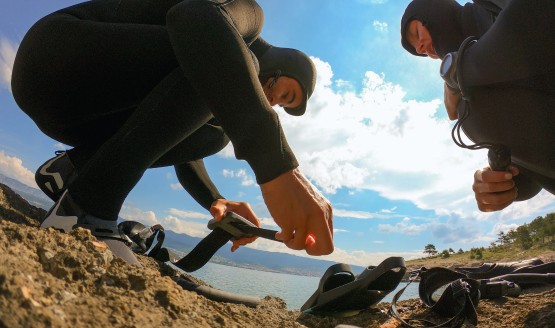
448 23
292 63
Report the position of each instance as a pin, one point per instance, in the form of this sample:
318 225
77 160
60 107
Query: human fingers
299 239
488 202
244 209
487 175
241 242
493 207
218 209
323 240
285 235
514 170
493 187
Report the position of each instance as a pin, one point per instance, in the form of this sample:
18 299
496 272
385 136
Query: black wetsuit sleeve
196 181
525 184
211 44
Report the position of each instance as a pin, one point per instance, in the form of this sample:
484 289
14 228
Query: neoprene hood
441 18
448 23
292 63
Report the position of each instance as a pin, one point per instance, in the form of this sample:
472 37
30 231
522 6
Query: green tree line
540 232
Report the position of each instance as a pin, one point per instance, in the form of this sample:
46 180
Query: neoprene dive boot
54 176
67 215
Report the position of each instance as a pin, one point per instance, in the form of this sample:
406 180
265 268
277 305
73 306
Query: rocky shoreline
51 279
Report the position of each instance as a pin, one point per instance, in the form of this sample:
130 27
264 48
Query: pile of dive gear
450 294
455 294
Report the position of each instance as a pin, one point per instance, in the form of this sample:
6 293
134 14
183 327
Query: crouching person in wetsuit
508 76
132 85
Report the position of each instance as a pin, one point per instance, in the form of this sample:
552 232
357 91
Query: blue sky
375 140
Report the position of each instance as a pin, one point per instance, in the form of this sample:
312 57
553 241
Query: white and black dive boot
55 175
66 215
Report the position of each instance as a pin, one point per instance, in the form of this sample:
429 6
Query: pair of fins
341 293
492 270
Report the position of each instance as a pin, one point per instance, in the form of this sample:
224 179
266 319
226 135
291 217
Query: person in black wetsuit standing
135 84
508 76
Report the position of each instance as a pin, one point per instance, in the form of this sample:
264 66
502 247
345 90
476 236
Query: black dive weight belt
232 226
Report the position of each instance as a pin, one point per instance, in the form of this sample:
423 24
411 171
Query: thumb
284 235
217 212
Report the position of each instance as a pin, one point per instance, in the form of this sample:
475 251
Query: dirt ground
51 279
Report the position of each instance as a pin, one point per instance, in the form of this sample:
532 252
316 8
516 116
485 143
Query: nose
421 48
272 100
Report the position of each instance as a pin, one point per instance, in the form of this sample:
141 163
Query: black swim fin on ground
492 270
342 293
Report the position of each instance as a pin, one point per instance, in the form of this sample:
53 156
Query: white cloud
501 227
389 210
131 213
377 140
357 257
176 186
385 214
7 58
380 26
189 214
191 228
403 227
12 167
178 222
268 223
246 179
353 214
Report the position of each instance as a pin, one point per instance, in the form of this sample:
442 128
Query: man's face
283 91
419 37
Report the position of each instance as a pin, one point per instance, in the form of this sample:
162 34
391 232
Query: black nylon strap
456 294
232 226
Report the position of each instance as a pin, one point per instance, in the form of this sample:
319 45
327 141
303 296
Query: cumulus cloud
189 214
377 140
268 223
131 213
191 228
246 179
403 227
384 214
176 186
179 221
7 58
12 167
356 257
380 26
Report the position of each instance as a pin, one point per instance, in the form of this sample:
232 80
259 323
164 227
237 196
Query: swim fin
341 293
491 270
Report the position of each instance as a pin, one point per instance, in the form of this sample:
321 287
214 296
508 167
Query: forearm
196 181
210 42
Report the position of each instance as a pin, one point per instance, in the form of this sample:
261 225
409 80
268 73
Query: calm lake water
293 289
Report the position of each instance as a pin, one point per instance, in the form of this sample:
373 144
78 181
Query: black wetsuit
134 84
510 73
